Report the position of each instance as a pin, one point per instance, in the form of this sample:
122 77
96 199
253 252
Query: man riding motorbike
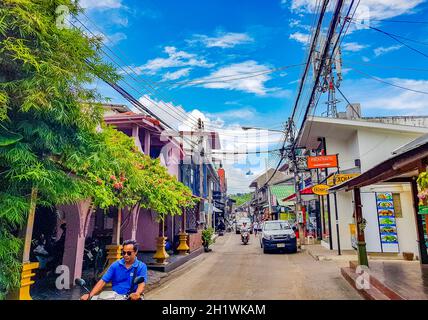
122 274
245 233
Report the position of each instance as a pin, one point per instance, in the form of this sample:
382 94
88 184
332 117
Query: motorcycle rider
244 229
122 272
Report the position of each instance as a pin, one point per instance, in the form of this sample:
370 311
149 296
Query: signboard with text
322 162
340 178
320 189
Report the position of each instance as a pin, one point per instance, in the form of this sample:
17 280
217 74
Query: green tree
241 198
51 141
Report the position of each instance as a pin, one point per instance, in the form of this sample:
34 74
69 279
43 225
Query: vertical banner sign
387 222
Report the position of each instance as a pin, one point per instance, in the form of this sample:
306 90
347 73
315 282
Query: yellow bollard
114 253
161 255
183 247
26 282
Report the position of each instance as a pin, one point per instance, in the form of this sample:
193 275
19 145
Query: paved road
237 272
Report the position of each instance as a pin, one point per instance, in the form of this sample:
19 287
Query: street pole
336 213
201 171
268 191
359 220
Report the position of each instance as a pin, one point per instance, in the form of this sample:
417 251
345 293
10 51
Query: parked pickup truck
278 235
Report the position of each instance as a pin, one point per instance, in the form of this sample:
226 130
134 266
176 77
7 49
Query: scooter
245 237
109 295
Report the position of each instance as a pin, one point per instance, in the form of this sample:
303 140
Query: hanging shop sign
322 162
353 232
340 178
301 163
320 189
387 222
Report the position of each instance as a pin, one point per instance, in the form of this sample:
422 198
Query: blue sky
165 42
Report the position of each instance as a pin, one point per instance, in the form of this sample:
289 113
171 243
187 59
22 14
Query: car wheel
264 250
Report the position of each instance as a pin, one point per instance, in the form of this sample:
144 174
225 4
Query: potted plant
207 238
408 256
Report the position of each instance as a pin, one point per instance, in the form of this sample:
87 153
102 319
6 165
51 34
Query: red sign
321 162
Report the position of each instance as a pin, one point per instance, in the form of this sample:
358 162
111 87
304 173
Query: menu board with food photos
387 222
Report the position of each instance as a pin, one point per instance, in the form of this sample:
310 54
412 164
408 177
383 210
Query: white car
278 235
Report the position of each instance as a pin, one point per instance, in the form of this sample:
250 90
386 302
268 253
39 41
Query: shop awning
292 197
281 192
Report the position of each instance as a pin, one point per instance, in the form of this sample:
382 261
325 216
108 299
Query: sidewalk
390 277
391 280
320 253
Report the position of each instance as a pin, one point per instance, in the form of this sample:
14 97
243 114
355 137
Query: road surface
238 272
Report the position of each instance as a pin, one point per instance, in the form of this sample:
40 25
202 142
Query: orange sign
321 162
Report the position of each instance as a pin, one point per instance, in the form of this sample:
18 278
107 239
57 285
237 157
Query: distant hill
241 198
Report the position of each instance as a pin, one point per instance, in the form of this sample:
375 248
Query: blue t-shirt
121 277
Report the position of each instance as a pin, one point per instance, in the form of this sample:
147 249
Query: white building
361 144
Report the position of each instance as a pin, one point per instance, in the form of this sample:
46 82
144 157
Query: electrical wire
394 37
143 95
153 90
389 83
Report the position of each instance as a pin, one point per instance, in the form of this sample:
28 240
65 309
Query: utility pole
200 132
268 190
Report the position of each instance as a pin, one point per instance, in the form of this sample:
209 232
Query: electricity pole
200 130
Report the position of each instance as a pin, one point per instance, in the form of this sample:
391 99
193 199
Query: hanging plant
423 186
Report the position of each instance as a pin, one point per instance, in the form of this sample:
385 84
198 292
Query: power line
394 37
349 103
153 91
389 83
387 66
225 78
133 88
390 20
246 77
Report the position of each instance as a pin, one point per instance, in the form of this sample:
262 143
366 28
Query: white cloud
294 23
365 59
255 84
115 38
232 138
175 59
367 9
223 40
353 46
176 74
383 50
384 9
100 4
394 101
303 38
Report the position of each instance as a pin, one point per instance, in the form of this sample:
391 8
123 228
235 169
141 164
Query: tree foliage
50 140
